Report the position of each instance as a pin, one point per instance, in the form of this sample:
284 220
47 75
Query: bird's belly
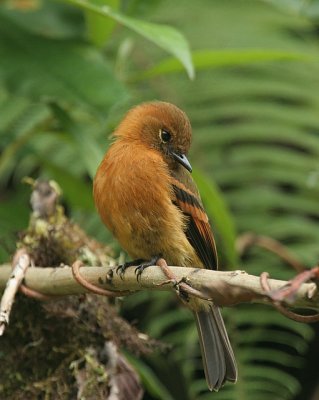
140 240
155 236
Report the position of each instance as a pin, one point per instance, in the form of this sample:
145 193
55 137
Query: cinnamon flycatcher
146 196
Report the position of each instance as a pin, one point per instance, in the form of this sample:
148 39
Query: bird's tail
218 357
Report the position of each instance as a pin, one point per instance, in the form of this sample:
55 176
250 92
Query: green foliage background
68 72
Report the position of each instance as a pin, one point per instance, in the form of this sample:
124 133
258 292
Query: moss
56 350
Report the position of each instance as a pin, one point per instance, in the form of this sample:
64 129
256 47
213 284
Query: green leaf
166 321
99 28
20 126
217 210
14 216
252 353
308 9
75 191
271 317
67 71
163 36
151 382
47 18
207 59
273 376
267 335
88 149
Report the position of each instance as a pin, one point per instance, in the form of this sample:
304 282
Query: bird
145 195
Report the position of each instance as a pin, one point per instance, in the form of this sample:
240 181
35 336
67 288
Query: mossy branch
225 288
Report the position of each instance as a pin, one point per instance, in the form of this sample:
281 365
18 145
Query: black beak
182 159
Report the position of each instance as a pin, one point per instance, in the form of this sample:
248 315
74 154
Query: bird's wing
198 230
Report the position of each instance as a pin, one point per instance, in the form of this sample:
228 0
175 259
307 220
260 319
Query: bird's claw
120 270
145 264
139 264
139 270
181 288
177 283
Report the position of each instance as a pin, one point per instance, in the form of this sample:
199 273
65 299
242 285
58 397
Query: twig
93 288
34 294
288 292
248 240
282 309
21 263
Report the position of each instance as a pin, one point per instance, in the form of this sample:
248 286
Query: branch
226 288
21 264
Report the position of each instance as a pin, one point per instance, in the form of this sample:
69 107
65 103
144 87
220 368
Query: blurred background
247 74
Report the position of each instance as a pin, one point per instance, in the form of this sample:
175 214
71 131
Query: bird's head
162 127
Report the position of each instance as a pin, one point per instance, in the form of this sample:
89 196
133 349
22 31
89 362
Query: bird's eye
165 136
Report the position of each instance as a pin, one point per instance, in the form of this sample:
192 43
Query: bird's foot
120 270
140 264
182 286
172 278
145 264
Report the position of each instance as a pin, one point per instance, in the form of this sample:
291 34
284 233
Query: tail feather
218 357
